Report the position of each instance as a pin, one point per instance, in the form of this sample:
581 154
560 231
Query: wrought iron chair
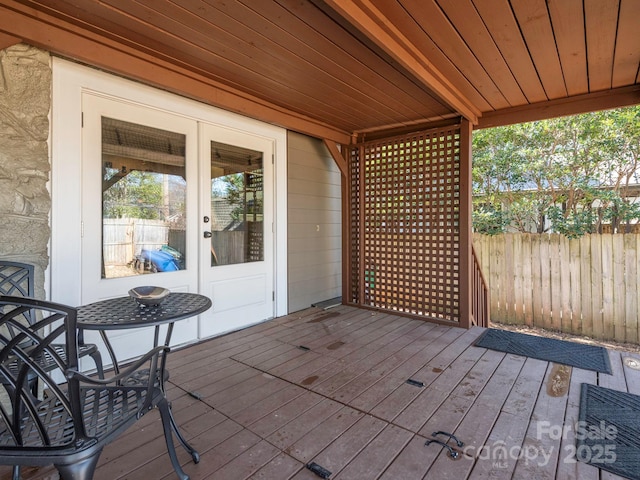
71 423
17 279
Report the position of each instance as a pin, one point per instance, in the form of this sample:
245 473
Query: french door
237 266
172 201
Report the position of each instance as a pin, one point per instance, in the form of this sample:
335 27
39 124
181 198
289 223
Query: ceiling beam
369 21
406 129
590 102
62 38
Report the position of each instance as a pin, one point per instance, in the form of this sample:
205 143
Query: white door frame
69 81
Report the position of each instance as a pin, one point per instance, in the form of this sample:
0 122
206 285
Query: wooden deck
268 407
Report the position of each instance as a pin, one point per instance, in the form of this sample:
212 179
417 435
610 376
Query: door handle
207 234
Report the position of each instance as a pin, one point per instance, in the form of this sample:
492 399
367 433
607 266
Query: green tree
136 195
570 174
621 166
231 187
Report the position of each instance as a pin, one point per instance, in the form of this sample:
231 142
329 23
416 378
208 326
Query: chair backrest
16 279
24 419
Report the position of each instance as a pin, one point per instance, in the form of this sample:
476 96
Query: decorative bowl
149 296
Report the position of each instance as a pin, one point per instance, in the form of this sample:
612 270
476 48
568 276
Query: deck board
340 453
571 469
282 466
288 434
457 402
268 407
387 385
377 455
548 411
404 394
479 419
316 439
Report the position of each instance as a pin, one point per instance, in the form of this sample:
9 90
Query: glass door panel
143 199
237 205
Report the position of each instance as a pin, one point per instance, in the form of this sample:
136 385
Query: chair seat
83 349
46 360
107 411
141 377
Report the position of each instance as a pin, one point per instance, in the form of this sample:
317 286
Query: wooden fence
124 238
587 286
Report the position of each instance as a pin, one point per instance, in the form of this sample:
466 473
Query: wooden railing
480 294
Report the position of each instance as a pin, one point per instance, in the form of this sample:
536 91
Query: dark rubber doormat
578 355
608 430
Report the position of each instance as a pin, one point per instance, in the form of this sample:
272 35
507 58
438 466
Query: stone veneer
25 203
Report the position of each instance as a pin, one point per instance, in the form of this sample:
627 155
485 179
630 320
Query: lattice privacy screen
405 224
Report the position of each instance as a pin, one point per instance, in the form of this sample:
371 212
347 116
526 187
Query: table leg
112 354
174 426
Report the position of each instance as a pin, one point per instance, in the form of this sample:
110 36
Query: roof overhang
341 70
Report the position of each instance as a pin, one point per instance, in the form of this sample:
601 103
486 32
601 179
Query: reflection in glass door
143 199
237 205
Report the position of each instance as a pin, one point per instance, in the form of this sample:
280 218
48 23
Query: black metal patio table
124 313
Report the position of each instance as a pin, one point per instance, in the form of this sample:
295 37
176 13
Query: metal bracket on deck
452 453
318 470
196 395
415 383
450 435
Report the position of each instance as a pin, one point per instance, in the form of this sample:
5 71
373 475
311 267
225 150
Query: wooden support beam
341 162
378 29
465 223
345 189
590 102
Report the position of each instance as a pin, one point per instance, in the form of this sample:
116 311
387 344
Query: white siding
314 223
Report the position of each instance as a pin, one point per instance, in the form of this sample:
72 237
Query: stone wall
25 203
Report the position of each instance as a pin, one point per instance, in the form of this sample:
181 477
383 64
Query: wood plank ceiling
337 69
